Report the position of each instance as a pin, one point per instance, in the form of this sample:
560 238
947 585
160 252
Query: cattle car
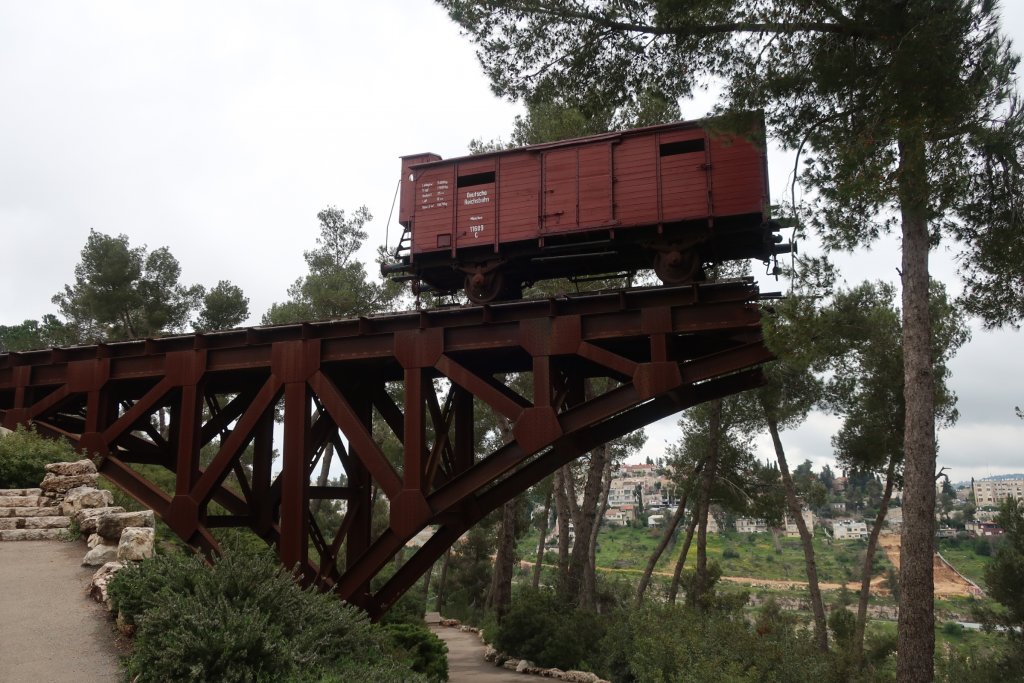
674 197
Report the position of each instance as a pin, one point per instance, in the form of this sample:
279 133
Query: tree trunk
323 478
916 641
579 559
677 574
666 538
562 516
806 537
700 584
426 585
590 575
543 533
442 583
499 598
869 561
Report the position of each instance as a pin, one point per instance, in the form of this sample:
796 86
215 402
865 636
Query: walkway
466 662
50 630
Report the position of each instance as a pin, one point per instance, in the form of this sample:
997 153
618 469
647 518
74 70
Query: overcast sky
220 129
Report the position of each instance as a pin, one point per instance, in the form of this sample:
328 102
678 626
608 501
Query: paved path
50 630
466 662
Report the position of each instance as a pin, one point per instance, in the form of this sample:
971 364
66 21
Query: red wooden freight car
673 197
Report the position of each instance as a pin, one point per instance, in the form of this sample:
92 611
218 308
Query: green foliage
123 292
24 453
242 619
45 333
337 285
667 643
224 307
543 628
428 653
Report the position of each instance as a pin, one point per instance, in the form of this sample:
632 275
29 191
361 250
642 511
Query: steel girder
417 380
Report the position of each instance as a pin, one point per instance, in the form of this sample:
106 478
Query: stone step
12 523
31 534
20 492
29 512
20 501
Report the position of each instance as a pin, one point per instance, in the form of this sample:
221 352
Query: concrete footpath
51 631
466 662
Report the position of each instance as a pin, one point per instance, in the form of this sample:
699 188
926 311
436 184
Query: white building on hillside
849 529
749 525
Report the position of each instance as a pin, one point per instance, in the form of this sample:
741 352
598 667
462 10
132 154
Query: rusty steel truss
416 380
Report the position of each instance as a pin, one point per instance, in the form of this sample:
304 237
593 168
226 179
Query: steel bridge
416 380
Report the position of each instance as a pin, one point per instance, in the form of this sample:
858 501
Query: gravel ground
50 630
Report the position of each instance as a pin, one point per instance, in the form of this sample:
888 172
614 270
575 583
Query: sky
220 129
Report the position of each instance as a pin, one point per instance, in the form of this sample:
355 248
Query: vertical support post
542 381
186 419
360 503
293 544
263 455
415 429
464 429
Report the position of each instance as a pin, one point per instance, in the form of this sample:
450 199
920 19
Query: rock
580 677
5 493
490 654
30 512
100 555
9 502
71 469
110 525
525 666
98 587
136 544
31 534
94 540
450 622
88 517
552 673
83 497
511 664
57 483
47 523
8 523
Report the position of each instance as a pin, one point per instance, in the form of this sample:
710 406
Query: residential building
992 492
791 527
750 525
979 528
849 529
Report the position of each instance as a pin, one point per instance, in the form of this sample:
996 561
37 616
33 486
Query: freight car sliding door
683 162
577 188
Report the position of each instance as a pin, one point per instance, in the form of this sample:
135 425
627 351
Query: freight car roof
677 125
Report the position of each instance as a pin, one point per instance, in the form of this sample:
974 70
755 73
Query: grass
754 555
962 555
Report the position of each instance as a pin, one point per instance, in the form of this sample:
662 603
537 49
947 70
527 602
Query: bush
544 629
245 619
428 653
24 453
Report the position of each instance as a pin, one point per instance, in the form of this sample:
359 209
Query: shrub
544 629
24 453
428 653
245 619
730 553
